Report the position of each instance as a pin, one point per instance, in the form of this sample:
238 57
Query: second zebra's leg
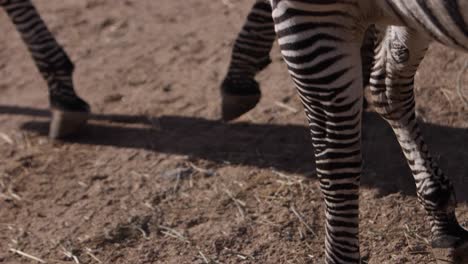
69 111
392 88
324 59
251 53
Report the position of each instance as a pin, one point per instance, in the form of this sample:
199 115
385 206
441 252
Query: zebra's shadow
283 147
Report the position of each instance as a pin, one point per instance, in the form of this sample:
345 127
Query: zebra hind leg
240 91
69 111
392 84
367 57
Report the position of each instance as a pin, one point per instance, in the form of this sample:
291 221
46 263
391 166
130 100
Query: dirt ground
155 178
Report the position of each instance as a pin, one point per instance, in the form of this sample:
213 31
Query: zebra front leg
251 53
324 60
392 83
69 111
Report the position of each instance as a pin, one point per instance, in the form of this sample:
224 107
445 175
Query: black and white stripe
50 58
321 43
253 44
329 47
251 54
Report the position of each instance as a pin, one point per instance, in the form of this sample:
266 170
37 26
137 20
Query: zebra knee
399 52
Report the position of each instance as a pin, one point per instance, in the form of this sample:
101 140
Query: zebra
332 49
321 42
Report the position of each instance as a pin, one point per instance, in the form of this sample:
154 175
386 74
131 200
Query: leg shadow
282 147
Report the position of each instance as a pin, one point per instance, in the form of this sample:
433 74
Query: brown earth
155 178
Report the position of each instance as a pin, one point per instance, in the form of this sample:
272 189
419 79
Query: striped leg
240 91
367 57
324 60
68 110
392 84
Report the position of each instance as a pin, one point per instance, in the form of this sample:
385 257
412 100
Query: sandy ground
155 178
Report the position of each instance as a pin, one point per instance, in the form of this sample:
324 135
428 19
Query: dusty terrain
155 178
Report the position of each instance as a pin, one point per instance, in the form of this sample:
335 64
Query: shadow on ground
283 147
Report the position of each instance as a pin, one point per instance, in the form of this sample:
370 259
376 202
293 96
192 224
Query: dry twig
173 233
301 219
70 255
6 138
90 253
287 107
240 204
26 255
203 257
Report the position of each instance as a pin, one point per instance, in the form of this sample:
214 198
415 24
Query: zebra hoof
66 123
233 106
457 254
239 95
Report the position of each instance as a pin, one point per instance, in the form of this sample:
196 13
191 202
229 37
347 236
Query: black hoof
69 114
64 124
236 105
68 102
451 250
239 96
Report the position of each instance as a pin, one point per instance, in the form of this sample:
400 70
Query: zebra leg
367 57
324 60
392 84
69 111
251 53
